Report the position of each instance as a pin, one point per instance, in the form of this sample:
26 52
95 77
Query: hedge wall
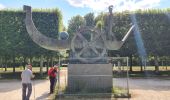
153 27
14 39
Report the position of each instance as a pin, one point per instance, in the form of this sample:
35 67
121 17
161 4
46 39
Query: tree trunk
141 65
0 61
13 64
24 63
51 61
166 63
1 65
156 63
131 62
141 68
144 61
5 64
5 67
41 65
47 64
30 61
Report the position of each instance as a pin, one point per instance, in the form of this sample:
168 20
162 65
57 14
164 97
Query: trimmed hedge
47 21
13 32
154 29
15 43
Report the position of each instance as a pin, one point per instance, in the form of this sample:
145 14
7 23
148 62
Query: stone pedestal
89 78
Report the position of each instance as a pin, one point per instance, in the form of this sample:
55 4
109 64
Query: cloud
119 5
2 6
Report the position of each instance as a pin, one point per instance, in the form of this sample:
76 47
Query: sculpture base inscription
89 78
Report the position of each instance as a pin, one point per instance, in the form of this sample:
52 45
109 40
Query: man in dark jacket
52 73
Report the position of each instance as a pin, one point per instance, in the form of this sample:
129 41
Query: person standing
26 76
52 73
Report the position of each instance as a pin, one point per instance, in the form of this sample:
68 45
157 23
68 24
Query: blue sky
71 8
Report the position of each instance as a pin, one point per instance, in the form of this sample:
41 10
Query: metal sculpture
88 45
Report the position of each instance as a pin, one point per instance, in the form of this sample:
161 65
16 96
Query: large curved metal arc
40 39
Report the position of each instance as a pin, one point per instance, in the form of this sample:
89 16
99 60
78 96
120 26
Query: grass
135 73
149 68
117 92
17 75
142 74
120 92
20 69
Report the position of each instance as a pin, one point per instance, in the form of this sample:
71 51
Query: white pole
34 89
127 76
59 75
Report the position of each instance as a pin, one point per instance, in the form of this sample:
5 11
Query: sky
70 8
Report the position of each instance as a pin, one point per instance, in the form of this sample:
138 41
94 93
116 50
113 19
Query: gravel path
150 89
146 88
11 90
141 89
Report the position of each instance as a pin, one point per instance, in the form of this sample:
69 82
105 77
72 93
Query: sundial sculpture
88 47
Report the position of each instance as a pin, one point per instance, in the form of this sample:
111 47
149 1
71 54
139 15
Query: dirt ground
140 89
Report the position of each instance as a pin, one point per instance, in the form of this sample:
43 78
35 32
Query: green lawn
17 75
149 68
20 69
136 72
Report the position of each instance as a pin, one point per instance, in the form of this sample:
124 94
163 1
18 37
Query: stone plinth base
89 78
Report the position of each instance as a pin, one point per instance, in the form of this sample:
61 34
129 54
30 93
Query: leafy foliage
153 27
14 39
89 18
74 24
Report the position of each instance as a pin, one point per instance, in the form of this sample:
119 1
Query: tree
74 24
89 19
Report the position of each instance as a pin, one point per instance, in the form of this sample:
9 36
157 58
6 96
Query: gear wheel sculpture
87 45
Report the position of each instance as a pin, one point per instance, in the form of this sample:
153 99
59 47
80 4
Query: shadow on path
10 85
43 96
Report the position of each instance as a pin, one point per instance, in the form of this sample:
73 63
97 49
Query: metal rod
127 75
59 72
